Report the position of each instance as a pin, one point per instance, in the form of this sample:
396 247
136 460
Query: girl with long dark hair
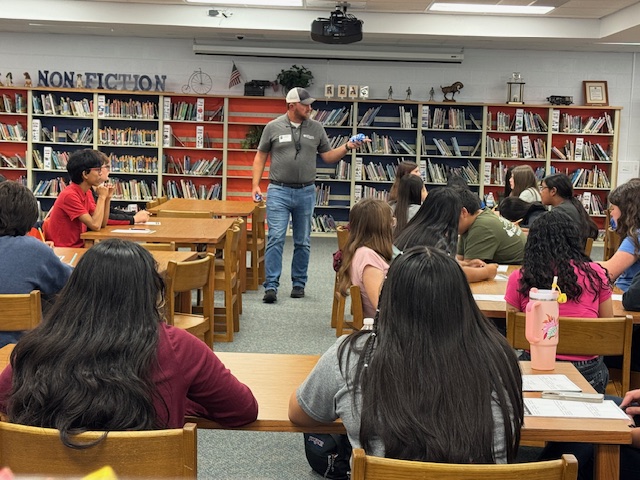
517 210
400 389
553 249
404 168
411 194
103 359
436 225
369 249
524 184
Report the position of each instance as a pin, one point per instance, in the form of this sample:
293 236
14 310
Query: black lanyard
293 137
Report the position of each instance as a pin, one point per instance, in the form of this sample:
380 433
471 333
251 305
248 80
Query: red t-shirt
63 225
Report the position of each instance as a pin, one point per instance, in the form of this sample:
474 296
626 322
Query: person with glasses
75 211
117 216
292 141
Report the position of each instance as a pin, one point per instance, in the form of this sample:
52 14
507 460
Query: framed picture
342 91
364 91
595 92
353 91
328 90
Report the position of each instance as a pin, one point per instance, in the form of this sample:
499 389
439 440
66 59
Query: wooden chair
152 203
366 467
227 280
20 311
583 336
338 300
588 246
256 245
182 278
35 451
184 214
356 313
163 247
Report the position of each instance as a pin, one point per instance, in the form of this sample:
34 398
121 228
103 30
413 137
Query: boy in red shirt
75 210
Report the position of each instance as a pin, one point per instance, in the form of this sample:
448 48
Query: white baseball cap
299 94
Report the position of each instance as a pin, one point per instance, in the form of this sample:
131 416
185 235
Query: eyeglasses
542 187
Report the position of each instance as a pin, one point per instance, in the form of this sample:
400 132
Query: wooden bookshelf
194 145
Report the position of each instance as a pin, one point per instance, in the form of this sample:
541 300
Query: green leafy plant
295 77
252 139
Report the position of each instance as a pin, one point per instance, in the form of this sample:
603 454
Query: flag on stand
235 78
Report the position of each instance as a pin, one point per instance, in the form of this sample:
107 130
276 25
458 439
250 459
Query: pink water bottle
541 328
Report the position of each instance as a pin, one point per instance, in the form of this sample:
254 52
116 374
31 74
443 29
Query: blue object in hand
258 197
358 137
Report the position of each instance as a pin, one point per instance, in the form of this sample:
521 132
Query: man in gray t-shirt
292 140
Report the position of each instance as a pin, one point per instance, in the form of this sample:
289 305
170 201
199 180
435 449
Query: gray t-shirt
326 395
293 149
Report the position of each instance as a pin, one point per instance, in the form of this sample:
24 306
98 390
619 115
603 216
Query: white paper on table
555 383
488 297
133 230
616 297
501 278
503 268
542 407
151 223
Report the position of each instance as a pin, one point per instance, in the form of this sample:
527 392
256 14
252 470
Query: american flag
235 78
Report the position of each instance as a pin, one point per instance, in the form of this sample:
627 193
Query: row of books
364 191
576 124
13 105
13 161
133 164
369 117
48 104
405 117
440 172
582 151
516 147
49 188
50 160
592 203
522 121
323 193
187 166
13 133
343 170
83 135
441 148
132 189
187 189
128 136
338 140
590 178
451 118
115 108
323 223
385 144
337 117
379 172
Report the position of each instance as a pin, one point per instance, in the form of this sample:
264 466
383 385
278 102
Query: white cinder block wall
484 73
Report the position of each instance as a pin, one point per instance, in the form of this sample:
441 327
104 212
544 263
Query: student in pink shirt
554 247
369 249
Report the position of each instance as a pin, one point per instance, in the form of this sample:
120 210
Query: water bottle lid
544 295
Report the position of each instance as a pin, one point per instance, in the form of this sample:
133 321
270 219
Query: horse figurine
451 89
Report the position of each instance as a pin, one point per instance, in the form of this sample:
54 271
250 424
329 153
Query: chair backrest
343 236
231 244
258 222
20 311
366 467
142 454
184 214
159 247
161 200
588 246
583 336
188 276
152 203
356 307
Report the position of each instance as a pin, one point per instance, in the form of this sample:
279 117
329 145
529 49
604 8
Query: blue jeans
284 203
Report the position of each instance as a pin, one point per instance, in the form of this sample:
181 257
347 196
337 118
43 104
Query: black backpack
328 454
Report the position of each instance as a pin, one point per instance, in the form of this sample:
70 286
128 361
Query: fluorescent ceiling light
476 8
263 3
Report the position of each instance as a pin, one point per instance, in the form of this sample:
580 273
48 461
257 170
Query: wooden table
224 208
162 258
273 377
206 231
498 308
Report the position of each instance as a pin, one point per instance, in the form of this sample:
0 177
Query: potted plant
294 77
252 138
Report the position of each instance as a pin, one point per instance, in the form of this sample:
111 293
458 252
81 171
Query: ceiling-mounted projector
339 28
